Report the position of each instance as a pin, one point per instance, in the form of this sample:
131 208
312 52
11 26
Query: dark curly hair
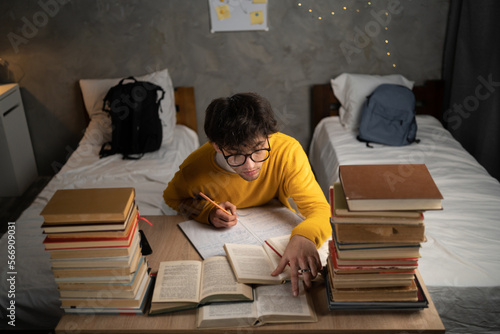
237 121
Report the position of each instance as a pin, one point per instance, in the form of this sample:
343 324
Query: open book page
208 240
178 281
226 315
275 258
218 279
271 220
251 264
275 303
254 226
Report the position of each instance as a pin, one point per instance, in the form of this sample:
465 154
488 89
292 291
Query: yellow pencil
217 205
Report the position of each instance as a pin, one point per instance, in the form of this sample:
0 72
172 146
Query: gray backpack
388 117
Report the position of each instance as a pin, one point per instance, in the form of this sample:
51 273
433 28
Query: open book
253 264
272 304
189 284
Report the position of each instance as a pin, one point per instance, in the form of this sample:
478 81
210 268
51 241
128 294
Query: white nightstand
17 161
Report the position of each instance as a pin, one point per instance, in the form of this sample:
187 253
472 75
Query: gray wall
70 40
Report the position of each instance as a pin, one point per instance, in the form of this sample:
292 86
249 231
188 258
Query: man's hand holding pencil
223 214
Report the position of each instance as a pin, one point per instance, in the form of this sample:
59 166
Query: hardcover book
91 289
111 290
94 252
379 233
87 206
389 187
109 275
341 213
359 279
385 294
108 230
95 272
138 300
390 263
105 261
382 252
96 242
419 303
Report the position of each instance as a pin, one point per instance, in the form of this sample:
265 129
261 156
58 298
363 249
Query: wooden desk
168 243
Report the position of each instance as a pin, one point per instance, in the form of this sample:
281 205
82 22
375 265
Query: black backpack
136 126
388 116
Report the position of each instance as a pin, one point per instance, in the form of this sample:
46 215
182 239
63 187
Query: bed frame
184 105
429 101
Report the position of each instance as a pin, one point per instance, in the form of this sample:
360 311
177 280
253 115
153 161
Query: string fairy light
344 8
347 9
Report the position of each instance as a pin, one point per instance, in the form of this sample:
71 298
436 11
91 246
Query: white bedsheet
460 261
36 297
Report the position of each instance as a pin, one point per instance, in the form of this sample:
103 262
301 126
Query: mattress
36 298
460 261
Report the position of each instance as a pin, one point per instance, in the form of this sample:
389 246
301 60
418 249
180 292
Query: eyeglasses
236 160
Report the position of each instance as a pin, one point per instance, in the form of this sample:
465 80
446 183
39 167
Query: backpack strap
158 102
107 149
128 78
162 94
416 141
130 157
364 141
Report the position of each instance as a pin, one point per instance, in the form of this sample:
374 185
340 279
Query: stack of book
95 250
377 230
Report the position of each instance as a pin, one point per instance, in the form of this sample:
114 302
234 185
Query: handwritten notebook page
255 225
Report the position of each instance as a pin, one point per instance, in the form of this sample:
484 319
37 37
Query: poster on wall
238 15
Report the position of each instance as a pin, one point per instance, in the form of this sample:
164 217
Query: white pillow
353 89
94 90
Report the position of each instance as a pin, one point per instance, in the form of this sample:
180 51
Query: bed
460 261
36 296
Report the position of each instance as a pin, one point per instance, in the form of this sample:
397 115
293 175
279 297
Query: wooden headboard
184 105
429 101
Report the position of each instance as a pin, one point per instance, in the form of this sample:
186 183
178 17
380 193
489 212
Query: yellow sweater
285 174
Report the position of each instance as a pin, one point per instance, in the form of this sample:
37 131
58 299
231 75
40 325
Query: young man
247 163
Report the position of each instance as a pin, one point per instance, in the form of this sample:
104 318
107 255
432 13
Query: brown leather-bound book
90 230
389 187
379 233
341 214
87 206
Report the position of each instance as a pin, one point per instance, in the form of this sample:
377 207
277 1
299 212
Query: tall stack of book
95 250
378 227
